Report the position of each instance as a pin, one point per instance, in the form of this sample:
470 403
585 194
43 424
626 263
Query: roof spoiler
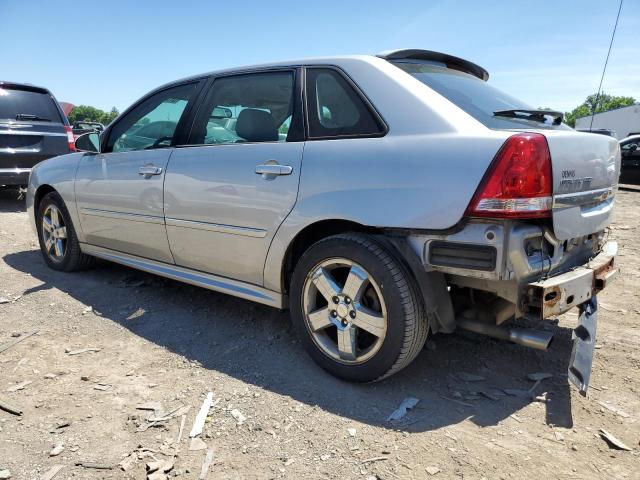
450 61
23 86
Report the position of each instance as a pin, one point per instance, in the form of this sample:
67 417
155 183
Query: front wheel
58 241
356 309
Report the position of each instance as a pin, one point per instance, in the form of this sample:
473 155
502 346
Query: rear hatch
585 166
32 126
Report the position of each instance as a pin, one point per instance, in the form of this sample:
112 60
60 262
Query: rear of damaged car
497 210
408 196
532 240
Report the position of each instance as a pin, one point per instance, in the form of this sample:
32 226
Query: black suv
33 128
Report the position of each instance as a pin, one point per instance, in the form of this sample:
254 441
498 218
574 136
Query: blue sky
548 53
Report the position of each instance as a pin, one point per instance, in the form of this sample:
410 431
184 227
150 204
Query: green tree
589 107
85 113
109 117
92 114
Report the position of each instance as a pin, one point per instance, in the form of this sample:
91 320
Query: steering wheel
160 140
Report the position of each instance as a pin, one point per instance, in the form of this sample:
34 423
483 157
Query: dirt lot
165 342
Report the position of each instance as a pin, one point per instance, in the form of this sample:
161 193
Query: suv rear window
14 102
474 96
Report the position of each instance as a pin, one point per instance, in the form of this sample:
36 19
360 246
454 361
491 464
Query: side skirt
193 277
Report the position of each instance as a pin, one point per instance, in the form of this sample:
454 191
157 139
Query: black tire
73 258
407 324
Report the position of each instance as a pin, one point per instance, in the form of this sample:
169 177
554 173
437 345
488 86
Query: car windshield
474 96
32 106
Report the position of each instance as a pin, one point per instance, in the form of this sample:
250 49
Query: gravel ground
155 340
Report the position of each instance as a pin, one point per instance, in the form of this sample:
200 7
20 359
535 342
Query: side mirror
633 147
89 142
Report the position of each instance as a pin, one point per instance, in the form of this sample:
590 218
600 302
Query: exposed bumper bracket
560 293
584 342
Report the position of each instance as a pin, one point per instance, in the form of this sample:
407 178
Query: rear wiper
29 116
538 115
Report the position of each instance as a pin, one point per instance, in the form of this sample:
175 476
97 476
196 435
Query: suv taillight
518 182
70 138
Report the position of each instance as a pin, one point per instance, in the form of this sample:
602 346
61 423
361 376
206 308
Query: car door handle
274 169
149 170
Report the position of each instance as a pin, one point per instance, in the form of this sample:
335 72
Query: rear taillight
518 182
70 138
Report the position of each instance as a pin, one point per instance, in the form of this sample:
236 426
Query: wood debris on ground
206 464
19 386
80 351
198 423
52 472
7 345
613 441
7 407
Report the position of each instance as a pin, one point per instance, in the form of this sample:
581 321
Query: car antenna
595 104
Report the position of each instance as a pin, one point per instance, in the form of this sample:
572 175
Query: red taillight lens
518 182
70 138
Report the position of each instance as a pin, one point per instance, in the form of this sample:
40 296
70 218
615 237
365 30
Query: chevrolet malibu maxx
378 198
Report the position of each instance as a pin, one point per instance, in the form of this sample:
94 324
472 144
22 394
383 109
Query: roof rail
449 60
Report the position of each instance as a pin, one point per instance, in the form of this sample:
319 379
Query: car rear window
14 102
474 96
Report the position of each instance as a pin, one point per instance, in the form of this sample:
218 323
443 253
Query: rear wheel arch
311 234
432 286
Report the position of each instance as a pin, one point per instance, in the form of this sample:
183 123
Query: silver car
379 198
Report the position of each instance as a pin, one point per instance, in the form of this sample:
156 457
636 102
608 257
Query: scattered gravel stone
57 450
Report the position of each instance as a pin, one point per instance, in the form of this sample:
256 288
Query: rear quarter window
336 109
474 96
14 102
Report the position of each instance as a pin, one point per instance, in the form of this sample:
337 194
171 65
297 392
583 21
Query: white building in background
625 121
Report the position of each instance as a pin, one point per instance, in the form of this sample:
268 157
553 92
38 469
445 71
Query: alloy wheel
344 311
54 233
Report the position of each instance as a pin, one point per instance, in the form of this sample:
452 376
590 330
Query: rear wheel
58 241
356 308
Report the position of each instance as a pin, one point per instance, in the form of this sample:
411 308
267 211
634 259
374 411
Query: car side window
628 151
336 109
152 124
256 107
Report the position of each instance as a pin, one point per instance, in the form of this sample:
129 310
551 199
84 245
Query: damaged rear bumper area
558 294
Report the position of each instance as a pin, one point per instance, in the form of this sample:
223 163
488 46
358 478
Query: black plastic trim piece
462 255
449 60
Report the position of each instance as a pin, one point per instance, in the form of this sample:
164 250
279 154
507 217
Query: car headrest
256 126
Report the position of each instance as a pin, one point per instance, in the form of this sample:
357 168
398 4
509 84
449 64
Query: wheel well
41 192
312 234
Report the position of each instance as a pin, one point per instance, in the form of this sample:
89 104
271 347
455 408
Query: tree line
597 104
88 113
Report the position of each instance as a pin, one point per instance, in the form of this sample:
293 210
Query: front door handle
274 169
149 170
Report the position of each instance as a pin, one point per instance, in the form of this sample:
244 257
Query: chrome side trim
216 227
14 170
582 198
193 277
133 217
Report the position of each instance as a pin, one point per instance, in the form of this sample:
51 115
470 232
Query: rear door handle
274 169
149 170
